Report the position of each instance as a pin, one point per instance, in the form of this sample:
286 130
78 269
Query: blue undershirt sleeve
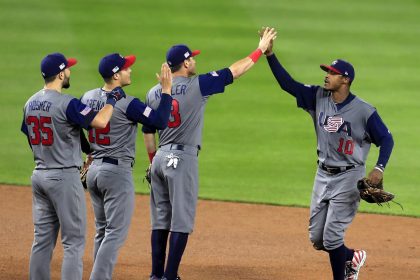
215 81
24 129
305 94
139 112
380 136
79 113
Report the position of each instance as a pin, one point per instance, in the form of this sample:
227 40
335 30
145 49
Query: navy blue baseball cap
341 67
178 53
113 63
54 63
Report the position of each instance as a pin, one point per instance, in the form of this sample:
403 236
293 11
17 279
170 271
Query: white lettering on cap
187 54
116 68
347 73
62 66
334 62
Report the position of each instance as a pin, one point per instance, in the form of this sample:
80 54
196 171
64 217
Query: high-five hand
165 78
267 37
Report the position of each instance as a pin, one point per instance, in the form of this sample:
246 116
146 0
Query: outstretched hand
269 50
165 78
267 37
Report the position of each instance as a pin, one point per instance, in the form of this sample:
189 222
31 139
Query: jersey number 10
346 146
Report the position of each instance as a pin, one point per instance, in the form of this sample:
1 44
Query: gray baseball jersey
109 179
341 134
344 132
55 139
174 191
187 115
342 142
52 124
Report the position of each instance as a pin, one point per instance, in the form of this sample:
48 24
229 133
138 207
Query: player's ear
116 76
61 75
346 80
186 63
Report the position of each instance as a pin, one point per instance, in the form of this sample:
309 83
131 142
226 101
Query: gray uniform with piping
174 190
58 195
342 142
109 179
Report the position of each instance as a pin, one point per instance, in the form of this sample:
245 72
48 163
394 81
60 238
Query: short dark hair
108 79
176 67
50 79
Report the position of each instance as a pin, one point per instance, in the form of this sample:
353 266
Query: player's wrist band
151 156
255 55
380 168
111 101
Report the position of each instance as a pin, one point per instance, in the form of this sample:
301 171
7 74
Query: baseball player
52 123
345 126
109 179
174 170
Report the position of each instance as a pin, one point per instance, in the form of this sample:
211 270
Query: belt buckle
177 147
330 169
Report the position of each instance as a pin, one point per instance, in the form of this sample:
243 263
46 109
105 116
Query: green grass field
257 146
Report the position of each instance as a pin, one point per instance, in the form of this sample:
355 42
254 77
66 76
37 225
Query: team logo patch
85 111
333 124
187 54
116 68
214 74
62 66
147 111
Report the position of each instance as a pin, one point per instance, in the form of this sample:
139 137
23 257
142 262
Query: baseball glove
84 170
374 193
148 175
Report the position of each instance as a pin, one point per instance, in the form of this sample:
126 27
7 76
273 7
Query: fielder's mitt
84 170
148 175
374 193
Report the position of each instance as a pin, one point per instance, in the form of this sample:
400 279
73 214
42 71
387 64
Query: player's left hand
269 50
375 176
267 36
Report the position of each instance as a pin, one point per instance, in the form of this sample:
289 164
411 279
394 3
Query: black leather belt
180 147
335 169
113 161
177 147
68 167
110 160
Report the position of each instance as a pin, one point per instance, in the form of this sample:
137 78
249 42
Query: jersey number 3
175 120
42 134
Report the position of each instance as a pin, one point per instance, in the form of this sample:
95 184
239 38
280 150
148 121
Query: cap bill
327 68
71 62
129 60
196 52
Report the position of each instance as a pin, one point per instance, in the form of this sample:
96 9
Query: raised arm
241 66
138 111
101 119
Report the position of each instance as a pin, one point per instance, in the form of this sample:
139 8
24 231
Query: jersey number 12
97 135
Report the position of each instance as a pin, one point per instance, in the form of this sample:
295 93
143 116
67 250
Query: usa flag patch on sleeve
147 111
86 111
